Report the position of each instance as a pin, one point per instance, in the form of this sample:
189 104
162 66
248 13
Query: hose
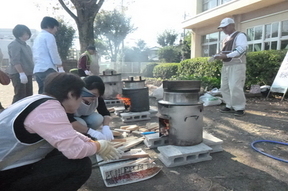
268 155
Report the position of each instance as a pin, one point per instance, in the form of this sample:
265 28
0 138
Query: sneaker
226 110
239 113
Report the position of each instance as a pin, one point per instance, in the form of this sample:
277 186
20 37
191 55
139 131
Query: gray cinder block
172 156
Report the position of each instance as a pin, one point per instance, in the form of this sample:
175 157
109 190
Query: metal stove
138 93
180 113
113 85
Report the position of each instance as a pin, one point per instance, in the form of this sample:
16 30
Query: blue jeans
93 121
40 78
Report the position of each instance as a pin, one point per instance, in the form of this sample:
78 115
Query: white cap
225 22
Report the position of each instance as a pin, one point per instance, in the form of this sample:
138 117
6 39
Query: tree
170 54
138 53
112 27
186 46
64 38
86 12
167 38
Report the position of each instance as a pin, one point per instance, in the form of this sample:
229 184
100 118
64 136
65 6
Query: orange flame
125 100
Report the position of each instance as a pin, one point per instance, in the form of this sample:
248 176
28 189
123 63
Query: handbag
4 78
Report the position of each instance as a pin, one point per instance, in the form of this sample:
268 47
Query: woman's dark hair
20 30
95 82
59 85
49 22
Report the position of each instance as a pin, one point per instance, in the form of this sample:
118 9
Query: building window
284 28
210 44
271 36
284 45
210 4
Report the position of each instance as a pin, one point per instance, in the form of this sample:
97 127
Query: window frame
268 39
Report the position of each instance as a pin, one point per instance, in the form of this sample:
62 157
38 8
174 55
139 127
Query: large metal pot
111 78
112 89
113 85
182 86
139 99
185 123
183 97
134 84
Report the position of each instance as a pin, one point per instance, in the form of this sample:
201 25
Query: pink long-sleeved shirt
49 120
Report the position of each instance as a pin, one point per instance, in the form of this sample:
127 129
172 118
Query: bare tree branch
68 11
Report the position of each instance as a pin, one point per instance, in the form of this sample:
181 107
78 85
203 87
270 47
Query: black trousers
21 90
53 173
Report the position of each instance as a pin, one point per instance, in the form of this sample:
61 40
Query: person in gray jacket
21 63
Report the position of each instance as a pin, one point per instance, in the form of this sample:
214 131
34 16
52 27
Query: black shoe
239 113
226 110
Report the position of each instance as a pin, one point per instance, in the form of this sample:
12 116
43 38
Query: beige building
264 21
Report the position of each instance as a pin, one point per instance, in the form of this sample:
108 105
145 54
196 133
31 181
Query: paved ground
237 168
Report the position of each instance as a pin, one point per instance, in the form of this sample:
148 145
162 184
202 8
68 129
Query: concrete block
213 142
153 140
135 116
111 103
172 156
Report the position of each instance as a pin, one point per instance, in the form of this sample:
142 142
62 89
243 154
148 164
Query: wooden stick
131 144
141 155
117 145
118 140
122 130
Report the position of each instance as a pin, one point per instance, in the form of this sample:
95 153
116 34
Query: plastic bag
208 100
158 93
255 89
215 91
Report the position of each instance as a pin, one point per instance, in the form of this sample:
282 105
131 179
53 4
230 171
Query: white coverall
233 74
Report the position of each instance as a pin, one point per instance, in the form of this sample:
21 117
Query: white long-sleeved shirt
45 52
241 45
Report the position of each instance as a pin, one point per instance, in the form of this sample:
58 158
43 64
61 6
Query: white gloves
61 70
23 78
87 72
107 132
96 134
107 151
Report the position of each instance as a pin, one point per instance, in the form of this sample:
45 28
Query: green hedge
200 67
165 70
262 66
148 70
